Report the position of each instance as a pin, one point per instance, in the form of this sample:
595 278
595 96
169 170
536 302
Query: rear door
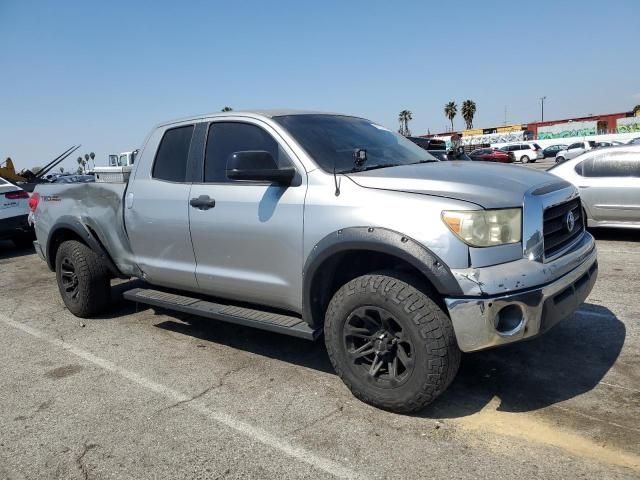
157 209
610 186
248 246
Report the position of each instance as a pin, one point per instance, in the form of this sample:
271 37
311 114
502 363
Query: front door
248 239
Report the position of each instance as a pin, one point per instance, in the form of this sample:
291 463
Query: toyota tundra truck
310 223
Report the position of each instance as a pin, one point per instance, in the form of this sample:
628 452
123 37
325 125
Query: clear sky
103 73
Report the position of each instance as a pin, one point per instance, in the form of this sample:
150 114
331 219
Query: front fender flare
379 240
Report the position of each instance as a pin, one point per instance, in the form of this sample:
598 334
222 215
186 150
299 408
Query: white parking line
255 433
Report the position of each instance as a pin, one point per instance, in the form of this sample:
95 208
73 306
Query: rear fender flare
77 227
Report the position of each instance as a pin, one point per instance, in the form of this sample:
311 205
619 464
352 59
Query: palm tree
450 111
226 109
468 112
403 117
636 110
80 162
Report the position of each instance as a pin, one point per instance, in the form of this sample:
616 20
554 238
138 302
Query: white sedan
14 211
609 183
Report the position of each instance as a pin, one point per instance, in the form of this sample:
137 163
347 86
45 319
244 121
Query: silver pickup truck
307 223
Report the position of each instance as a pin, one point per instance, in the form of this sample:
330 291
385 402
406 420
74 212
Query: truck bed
98 207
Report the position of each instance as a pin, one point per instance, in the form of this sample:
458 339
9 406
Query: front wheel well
344 266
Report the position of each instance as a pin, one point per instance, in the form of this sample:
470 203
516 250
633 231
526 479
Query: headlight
485 228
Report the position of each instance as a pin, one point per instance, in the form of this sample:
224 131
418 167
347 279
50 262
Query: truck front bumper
492 320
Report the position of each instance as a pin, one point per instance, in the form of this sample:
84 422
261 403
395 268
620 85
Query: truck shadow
616 234
267 344
9 250
568 361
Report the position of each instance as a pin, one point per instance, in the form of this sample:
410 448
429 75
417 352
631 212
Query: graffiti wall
506 137
568 129
628 125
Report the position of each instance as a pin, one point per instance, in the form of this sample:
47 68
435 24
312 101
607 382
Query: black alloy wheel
378 347
69 277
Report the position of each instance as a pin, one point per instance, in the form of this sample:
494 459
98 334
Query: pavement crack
216 385
316 421
80 459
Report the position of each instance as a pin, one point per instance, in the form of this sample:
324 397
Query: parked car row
517 152
438 148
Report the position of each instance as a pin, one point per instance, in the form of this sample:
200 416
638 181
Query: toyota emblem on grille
570 221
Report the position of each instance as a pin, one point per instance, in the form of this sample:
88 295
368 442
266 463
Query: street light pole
542 99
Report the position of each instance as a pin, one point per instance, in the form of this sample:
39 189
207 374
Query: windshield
331 140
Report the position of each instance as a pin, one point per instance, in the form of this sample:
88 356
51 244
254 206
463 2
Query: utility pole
542 99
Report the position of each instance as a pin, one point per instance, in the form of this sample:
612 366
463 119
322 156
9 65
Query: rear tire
391 344
524 159
83 279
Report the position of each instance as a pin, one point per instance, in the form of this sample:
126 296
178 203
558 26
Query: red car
492 155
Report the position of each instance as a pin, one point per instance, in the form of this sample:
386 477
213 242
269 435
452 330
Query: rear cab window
171 158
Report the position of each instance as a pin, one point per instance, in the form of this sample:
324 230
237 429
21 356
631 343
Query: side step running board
274 322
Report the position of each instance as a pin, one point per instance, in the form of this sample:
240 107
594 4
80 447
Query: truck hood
487 184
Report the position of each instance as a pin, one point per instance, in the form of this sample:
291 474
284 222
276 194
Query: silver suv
307 224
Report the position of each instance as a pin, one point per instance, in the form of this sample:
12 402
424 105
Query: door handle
203 202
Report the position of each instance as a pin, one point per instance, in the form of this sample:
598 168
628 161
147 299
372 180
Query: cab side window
171 158
226 138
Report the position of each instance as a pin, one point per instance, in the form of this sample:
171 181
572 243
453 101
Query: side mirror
257 165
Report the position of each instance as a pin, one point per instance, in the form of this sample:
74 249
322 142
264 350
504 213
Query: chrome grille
556 232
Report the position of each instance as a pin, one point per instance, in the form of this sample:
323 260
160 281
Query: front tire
391 344
83 279
559 159
524 159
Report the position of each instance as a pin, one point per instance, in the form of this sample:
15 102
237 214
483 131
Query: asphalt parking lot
147 394
542 164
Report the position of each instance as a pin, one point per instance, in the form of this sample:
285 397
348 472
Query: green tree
636 110
61 169
403 118
450 111
468 112
226 109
